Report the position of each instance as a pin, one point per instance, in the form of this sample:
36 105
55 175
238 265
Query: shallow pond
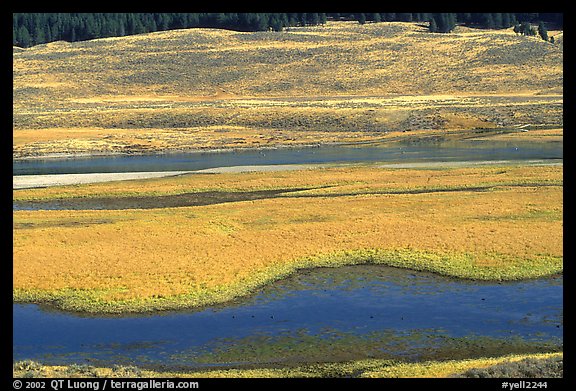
472 150
316 315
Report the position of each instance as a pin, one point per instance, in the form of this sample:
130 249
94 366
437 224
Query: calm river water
399 152
372 311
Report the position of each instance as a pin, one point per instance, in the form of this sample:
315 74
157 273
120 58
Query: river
351 312
471 150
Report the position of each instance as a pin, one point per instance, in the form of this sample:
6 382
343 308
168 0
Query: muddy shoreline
47 180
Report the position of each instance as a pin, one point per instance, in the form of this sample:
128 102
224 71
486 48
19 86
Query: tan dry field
373 368
201 89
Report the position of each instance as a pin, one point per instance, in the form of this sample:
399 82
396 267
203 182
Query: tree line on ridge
30 29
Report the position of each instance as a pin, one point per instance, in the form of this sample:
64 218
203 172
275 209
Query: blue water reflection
358 300
471 150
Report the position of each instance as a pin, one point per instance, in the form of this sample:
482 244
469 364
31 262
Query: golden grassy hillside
209 88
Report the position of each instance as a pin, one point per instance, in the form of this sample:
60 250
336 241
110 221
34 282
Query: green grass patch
459 265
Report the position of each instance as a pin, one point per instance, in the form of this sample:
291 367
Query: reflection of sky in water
380 297
355 300
397 152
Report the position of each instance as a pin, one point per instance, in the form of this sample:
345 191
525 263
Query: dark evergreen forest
35 28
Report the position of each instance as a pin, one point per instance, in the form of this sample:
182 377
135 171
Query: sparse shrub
81 370
26 365
126 371
528 368
30 368
31 374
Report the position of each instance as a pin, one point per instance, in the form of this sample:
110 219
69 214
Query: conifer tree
445 22
405 17
312 19
35 28
542 31
433 27
497 18
487 21
24 39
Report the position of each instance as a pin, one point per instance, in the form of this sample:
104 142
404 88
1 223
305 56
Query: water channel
471 150
322 314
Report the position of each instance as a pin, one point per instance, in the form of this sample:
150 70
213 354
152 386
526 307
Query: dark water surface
322 314
398 152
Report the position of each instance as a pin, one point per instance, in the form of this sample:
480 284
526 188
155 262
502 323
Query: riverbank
48 180
60 146
33 181
517 366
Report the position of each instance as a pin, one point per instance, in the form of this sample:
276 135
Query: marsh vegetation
330 216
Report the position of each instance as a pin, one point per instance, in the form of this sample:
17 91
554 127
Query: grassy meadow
201 89
486 222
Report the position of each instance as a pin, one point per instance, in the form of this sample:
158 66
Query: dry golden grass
363 368
105 260
537 135
342 82
444 369
344 179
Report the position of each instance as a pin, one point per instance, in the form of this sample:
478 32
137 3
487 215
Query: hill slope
208 88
